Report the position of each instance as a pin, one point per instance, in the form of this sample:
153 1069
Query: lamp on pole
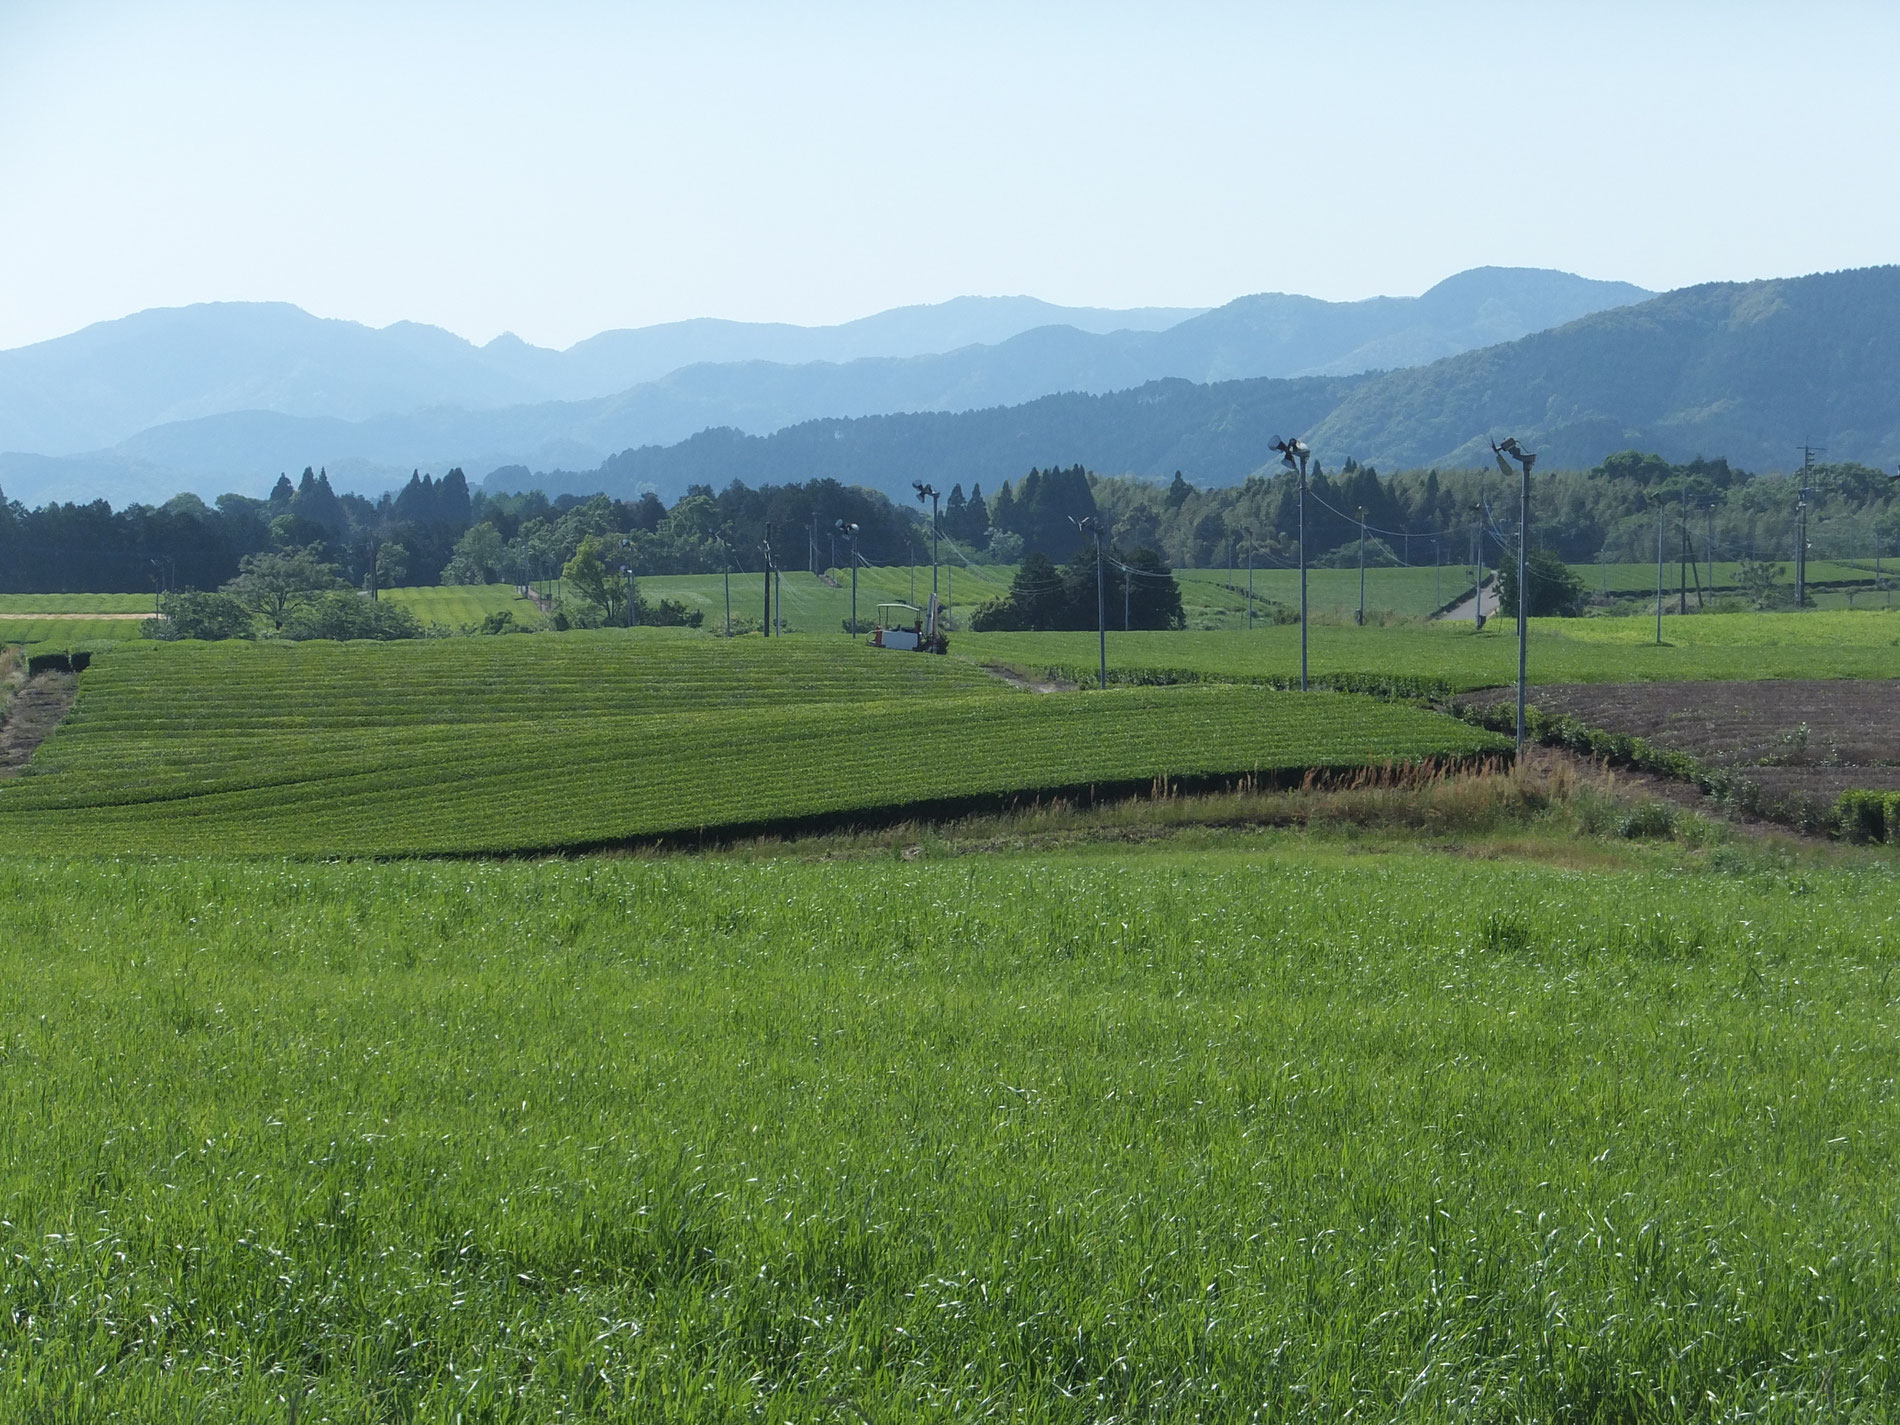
1250 581
1294 454
1362 566
766 545
1508 450
929 492
1086 526
850 532
725 562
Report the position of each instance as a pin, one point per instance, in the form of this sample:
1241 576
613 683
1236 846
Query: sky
558 169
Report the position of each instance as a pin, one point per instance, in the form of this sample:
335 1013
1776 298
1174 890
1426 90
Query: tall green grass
1229 1137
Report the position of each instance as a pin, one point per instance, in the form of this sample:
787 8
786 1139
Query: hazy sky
557 169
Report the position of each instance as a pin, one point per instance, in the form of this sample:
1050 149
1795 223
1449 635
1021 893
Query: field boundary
1735 792
937 810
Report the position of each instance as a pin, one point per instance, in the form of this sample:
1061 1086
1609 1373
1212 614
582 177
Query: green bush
343 615
196 615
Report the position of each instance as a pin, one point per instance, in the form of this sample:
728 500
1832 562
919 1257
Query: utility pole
1808 452
1362 566
1477 560
1682 574
1085 527
850 532
929 492
1294 453
1708 541
1250 581
766 627
726 562
1525 460
1660 507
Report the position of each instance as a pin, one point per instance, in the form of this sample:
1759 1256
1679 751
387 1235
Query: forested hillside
1744 371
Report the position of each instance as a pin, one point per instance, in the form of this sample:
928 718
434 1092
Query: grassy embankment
1069 1138
536 743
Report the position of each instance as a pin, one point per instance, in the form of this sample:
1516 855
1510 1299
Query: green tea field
539 743
68 630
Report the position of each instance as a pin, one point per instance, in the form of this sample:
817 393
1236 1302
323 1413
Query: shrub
1556 589
195 615
344 615
1650 821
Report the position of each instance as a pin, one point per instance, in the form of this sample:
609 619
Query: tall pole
1101 607
850 532
1477 559
1801 553
1294 454
929 492
1523 591
1808 452
1525 459
726 549
765 628
1682 573
1250 584
1362 565
1659 570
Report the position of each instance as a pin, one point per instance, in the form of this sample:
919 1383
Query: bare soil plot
1799 740
36 710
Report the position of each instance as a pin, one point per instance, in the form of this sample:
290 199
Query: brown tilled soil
36 710
1798 740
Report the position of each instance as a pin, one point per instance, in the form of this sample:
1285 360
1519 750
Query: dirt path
30 614
1463 610
37 709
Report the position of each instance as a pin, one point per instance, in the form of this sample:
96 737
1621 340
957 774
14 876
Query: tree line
439 531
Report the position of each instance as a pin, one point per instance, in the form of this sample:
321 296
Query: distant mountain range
1744 370
225 396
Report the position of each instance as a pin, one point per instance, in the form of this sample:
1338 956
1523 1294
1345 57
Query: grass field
1280 1134
14 605
1815 644
459 605
558 741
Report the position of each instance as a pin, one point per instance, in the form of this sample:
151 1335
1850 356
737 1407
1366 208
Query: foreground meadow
1282 1133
